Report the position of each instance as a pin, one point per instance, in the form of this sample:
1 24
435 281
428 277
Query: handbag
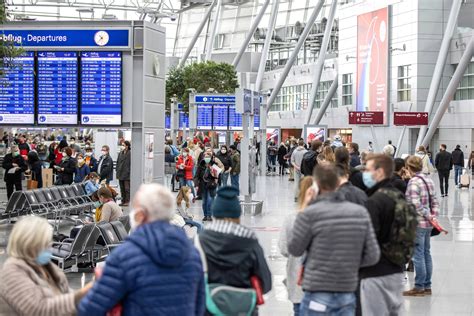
32 184
437 228
223 299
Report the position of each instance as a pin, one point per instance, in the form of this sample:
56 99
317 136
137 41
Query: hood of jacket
166 244
300 148
227 249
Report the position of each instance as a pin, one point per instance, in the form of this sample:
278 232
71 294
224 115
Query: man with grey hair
14 166
156 257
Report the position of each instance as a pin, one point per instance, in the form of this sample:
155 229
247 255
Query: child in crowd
294 264
183 202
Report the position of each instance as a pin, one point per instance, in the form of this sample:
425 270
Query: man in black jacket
443 163
458 162
310 160
232 251
14 166
381 284
105 167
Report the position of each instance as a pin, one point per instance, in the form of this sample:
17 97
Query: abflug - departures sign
71 38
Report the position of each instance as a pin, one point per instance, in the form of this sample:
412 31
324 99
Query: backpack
223 299
308 163
399 249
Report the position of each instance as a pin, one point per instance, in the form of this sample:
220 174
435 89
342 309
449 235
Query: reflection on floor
453 255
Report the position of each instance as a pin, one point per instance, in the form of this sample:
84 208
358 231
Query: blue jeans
296 309
234 180
422 259
457 174
224 179
328 303
189 183
207 199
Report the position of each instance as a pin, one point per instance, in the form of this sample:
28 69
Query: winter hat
226 204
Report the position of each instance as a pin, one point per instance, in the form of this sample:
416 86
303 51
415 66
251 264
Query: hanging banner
372 62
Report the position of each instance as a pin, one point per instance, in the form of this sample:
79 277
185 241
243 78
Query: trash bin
253 208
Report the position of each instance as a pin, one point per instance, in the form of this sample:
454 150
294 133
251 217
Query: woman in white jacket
294 264
427 165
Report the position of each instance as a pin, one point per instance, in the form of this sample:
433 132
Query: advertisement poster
372 61
149 144
314 132
273 134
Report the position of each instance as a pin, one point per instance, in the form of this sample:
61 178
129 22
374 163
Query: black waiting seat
109 235
120 230
34 205
125 220
11 209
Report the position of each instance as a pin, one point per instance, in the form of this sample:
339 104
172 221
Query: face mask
97 204
80 161
185 154
123 147
133 222
224 151
368 179
88 154
44 257
15 154
72 142
207 160
104 153
64 158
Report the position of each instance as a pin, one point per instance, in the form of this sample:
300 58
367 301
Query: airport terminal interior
274 129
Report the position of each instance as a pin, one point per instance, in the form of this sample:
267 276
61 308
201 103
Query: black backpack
308 163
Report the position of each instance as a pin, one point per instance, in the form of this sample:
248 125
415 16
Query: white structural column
450 90
320 63
294 54
266 45
215 24
197 34
440 63
254 26
327 100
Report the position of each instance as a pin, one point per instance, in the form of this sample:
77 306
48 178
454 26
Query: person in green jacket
235 166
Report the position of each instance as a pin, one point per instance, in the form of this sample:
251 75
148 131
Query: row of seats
92 244
56 202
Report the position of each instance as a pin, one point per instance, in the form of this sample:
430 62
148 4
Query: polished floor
453 254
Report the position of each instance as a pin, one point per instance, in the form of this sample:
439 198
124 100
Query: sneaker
414 292
204 219
427 292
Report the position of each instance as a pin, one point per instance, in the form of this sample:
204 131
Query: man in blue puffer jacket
156 271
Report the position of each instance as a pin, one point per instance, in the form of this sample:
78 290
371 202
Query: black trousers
11 185
125 190
443 181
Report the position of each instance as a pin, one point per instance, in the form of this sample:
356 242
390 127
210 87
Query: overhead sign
366 118
410 118
67 38
372 61
214 99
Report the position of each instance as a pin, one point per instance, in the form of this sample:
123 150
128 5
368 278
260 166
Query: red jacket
188 166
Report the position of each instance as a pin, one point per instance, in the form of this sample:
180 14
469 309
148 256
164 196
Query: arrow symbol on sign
426 115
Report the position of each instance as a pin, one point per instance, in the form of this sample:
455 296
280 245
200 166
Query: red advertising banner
372 62
410 118
366 118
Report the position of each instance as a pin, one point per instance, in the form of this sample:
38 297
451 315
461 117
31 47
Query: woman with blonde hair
293 266
328 154
31 284
423 155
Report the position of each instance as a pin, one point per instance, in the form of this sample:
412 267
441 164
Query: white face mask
133 222
104 153
88 154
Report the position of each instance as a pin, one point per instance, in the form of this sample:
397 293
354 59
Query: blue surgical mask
44 257
97 204
207 160
368 179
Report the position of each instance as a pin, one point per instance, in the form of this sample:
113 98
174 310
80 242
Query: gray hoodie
297 156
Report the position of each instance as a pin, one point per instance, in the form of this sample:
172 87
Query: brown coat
26 292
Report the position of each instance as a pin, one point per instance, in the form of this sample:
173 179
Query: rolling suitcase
465 179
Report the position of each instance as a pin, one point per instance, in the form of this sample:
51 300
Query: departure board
256 122
204 116
221 117
235 119
57 88
17 91
101 88
183 120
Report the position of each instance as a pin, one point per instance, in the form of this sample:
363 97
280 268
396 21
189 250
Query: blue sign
235 119
256 122
220 117
204 116
214 99
17 93
101 88
67 38
57 88
183 120
167 122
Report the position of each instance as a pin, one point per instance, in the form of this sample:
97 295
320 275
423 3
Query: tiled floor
453 254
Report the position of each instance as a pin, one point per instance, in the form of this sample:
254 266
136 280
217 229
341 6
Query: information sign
410 118
366 118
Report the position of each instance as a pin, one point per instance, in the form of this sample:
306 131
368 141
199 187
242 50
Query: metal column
440 63
215 23
320 63
294 54
197 34
266 45
254 26
450 90
327 100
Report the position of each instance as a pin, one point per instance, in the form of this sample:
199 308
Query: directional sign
214 99
410 118
365 118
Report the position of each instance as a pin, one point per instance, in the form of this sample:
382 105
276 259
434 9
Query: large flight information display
17 91
57 88
235 119
204 116
101 88
221 117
